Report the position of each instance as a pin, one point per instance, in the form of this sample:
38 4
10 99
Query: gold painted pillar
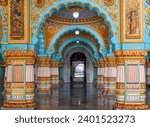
131 83
111 77
55 77
100 74
148 73
19 79
44 75
105 76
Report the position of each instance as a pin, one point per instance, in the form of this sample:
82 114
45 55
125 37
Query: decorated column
55 76
44 75
131 83
105 76
111 79
19 79
61 64
100 74
148 72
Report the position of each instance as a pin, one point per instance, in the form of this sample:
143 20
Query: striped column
106 72
148 73
111 77
44 75
55 77
131 83
100 74
19 79
61 64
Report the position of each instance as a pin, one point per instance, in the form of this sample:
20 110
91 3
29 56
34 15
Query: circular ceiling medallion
77 32
75 8
109 2
76 15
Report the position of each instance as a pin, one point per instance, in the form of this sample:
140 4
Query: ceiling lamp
76 15
78 42
77 32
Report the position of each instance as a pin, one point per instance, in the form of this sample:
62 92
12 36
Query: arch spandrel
74 27
39 19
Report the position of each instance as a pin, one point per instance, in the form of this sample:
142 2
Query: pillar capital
44 62
131 56
111 61
55 64
100 64
19 57
131 53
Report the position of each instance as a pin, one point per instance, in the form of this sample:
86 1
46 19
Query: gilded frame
125 35
26 38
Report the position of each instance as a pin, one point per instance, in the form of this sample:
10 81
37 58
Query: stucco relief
1 29
17 19
109 2
39 3
132 21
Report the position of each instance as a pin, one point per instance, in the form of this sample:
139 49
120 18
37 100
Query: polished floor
75 98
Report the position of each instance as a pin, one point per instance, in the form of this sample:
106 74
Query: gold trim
123 23
26 39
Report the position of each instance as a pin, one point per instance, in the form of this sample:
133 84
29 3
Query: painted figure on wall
17 19
133 22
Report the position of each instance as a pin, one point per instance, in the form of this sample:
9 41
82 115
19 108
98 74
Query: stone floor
75 98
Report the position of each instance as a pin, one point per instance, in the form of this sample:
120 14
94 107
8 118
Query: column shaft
131 84
44 75
19 79
148 73
100 74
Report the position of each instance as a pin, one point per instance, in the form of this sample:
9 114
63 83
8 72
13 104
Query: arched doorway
89 72
78 68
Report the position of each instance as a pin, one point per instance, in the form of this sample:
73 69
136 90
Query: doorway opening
78 68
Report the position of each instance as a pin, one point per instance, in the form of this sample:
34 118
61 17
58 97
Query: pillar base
44 91
15 105
111 92
99 85
104 91
131 106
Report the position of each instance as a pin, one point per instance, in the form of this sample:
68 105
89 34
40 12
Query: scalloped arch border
55 7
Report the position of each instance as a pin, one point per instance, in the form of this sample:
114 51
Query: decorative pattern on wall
39 3
17 20
53 25
109 2
1 30
132 21
147 10
4 20
112 8
113 11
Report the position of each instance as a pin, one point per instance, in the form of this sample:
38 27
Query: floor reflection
76 98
